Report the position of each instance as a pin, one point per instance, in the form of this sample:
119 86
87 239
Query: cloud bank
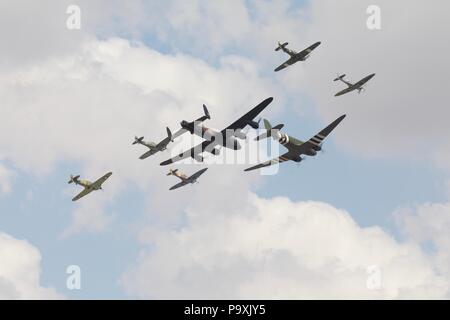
20 271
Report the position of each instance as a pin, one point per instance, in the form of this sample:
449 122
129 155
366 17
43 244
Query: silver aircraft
353 86
154 147
184 178
88 186
294 56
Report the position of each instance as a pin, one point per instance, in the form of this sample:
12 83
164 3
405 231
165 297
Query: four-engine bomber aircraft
154 148
88 186
295 56
185 179
226 137
353 86
296 148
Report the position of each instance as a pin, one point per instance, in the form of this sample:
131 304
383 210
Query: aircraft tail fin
270 131
206 115
73 179
339 77
138 140
172 172
281 46
205 110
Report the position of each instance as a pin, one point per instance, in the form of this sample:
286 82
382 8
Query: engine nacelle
253 124
317 148
297 159
283 138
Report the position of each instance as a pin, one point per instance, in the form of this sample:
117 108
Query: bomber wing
193 152
316 141
178 133
291 154
248 117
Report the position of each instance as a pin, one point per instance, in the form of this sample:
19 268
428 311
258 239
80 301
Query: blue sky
368 186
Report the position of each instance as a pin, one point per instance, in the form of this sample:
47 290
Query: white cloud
428 224
20 271
207 28
34 30
275 248
5 179
91 216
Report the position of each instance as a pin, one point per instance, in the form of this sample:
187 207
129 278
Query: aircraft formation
229 137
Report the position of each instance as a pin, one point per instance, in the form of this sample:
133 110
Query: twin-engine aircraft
154 147
296 148
214 139
185 179
88 186
353 86
295 56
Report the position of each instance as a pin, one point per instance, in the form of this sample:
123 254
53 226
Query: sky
367 218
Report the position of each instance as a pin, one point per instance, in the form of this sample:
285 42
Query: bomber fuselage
227 140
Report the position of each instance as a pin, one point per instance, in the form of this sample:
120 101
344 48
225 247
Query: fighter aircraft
295 56
185 179
226 137
88 186
154 148
353 86
296 148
